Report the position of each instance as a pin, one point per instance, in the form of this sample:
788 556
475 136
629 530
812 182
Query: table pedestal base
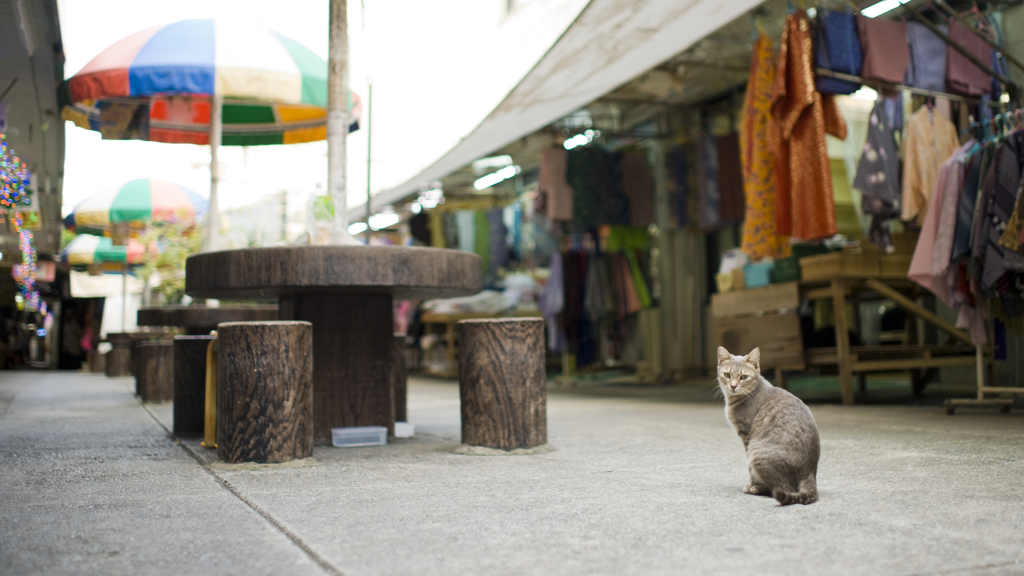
352 342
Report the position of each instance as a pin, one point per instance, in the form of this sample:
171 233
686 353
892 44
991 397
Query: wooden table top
409 273
203 316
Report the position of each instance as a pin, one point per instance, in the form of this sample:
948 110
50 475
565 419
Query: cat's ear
723 354
754 358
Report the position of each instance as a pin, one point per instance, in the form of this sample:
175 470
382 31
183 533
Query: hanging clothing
710 197
680 185
805 204
838 50
587 175
637 186
465 223
929 139
927 67
886 53
554 198
760 239
498 248
935 274
878 174
963 75
954 174
552 302
730 179
1006 180
972 180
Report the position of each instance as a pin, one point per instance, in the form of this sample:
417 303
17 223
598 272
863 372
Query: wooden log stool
502 383
190 384
264 391
155 379
119 359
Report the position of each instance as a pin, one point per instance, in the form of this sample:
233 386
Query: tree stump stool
190 384
155 379
264 391
502 383
119 359
399 378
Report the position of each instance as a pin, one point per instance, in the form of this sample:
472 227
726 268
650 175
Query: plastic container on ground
404 430
359 436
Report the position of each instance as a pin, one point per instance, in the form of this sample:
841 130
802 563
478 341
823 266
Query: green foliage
168 245
66 236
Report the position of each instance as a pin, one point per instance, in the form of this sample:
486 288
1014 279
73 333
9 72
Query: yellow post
210 425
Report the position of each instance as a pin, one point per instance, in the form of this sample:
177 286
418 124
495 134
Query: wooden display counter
767 317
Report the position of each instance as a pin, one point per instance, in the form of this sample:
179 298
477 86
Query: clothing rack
871 82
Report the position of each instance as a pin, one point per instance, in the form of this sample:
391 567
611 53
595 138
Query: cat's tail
808 493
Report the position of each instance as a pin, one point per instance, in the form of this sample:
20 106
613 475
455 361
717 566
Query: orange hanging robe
805 207
757 130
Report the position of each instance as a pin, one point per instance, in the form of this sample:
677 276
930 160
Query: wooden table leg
842 340
352 341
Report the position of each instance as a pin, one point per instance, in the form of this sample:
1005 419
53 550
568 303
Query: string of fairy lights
14 191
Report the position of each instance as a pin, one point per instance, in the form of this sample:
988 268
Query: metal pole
216 129
337 121
124 297
369 154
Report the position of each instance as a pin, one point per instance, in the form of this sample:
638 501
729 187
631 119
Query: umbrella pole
216 129
124 297
337 121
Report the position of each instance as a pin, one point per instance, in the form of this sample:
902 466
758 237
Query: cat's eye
744 377
726 374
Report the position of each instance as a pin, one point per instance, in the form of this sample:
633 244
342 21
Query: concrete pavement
644 481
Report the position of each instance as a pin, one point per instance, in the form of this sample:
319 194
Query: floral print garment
760 238
878 174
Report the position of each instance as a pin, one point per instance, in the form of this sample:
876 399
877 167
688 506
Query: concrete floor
644 481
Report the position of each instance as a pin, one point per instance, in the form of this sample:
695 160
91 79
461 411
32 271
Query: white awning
610 43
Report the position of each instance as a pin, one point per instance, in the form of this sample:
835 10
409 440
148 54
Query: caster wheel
950 410
1005 409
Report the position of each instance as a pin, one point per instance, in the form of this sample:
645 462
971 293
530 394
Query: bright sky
438 69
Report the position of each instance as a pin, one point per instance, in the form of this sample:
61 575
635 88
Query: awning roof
610 43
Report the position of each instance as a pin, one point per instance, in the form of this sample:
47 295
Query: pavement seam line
971 568
295 538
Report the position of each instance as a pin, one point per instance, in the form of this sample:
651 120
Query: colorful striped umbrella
156 85
135 203
87 249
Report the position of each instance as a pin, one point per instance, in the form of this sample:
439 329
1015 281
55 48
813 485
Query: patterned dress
760 239
805 207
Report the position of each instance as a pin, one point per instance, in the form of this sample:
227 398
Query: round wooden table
201 320
346 292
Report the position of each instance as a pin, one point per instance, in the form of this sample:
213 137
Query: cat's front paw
757 490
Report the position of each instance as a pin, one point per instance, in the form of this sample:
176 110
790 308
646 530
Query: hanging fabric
805 204
555 195
757 129
838 50
710 197
680 185
963 75
552 302
929 139
878 174
730 179
1006 172
927 67
886 53
637 187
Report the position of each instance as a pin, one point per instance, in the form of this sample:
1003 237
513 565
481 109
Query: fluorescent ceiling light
496 177
357 228
487 164
882 7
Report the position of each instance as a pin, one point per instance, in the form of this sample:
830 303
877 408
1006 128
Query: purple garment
552 302
927 68
963 75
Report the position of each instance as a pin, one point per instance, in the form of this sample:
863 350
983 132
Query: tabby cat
777 429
